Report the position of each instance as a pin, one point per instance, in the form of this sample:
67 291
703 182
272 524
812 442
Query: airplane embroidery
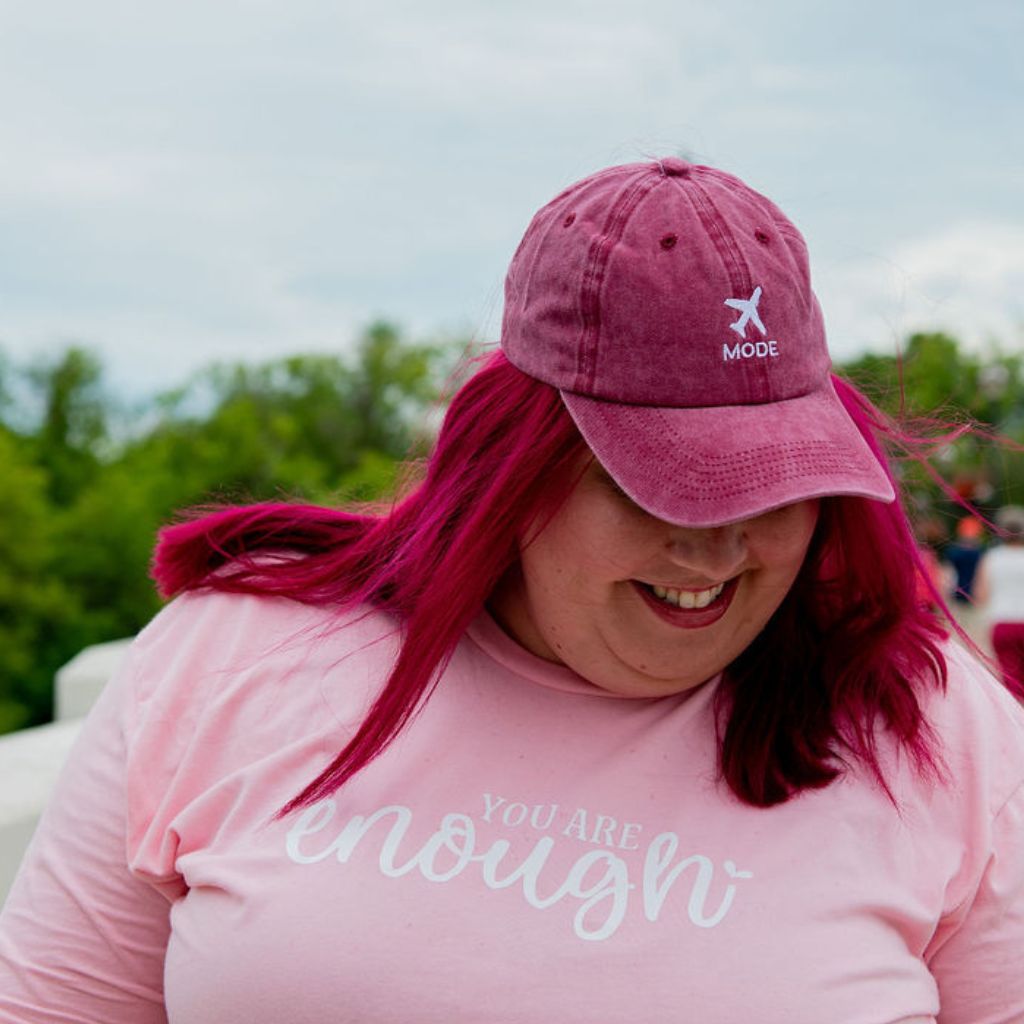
748 307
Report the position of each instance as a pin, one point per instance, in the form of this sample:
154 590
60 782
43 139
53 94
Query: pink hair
507 456
851 645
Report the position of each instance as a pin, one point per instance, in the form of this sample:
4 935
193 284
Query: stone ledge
30 761
79 682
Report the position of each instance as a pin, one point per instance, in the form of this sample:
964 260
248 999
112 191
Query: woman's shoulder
216 624
978 725
973 686
211 648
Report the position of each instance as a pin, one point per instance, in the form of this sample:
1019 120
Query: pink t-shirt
531 850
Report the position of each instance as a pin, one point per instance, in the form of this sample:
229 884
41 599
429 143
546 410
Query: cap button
675 167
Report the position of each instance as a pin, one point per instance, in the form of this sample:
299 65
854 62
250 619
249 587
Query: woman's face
641 607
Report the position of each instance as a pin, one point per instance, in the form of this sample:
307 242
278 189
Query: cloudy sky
204 179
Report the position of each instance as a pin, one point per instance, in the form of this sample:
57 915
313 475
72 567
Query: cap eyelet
762 236
569 220
669 241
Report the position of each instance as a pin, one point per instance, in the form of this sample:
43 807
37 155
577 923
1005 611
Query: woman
639 716
966 557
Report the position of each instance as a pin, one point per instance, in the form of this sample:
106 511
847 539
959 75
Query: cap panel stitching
720 235
594 274
731 477
536 233
724 240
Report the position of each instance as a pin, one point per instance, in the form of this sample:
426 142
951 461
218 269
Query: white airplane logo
748 307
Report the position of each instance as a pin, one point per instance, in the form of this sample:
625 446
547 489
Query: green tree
73 421
79 513
299 426
38 616
930 375
936 380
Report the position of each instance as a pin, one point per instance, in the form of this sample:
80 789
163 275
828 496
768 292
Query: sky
206 180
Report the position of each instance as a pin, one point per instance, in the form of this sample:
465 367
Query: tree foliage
933 382
35 606
84 487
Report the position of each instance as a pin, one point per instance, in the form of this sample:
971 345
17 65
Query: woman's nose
717 552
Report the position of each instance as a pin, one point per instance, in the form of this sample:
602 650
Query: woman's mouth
689 609
688 598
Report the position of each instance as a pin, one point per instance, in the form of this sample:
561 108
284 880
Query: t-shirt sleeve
82 938
978 966
85 931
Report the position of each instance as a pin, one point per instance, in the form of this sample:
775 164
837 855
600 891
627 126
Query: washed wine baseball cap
671 306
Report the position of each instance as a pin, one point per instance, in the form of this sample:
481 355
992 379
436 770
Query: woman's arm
82 939
978 966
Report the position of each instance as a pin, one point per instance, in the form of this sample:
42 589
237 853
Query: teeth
688 598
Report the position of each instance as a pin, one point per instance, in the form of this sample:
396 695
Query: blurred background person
965 554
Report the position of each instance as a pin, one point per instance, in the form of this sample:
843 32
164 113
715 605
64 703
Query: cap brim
712 466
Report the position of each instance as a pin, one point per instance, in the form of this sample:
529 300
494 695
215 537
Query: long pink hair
851 647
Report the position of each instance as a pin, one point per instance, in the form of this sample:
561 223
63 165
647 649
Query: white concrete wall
30 760
78 683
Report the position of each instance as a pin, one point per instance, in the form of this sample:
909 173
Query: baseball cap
671 306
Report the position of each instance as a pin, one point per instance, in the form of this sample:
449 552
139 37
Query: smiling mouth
686 598
689 608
